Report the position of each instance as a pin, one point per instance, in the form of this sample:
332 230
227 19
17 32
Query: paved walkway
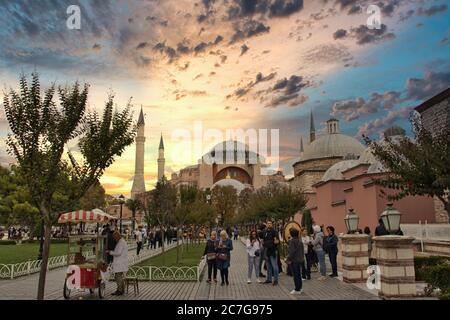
25 288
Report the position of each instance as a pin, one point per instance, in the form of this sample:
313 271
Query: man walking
138 236
270 242
120 262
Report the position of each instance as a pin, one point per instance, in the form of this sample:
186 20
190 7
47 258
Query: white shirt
138 235
306 240
120 254
252 249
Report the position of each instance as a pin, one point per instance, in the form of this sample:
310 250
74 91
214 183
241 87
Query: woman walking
253 255
317 243
332 249
224 256
210 253
295 259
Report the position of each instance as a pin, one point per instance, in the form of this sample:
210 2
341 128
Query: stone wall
437 117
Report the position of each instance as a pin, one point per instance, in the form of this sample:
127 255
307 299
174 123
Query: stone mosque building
228 163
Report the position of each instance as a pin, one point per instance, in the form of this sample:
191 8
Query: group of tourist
262 245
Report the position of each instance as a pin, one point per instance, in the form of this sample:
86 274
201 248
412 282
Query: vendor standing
120 262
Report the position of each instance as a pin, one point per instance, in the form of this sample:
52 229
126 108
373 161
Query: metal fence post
150 273
12 271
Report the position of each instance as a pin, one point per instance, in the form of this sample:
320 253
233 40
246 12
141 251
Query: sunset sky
262 64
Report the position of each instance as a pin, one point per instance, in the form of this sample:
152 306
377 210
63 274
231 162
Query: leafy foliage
418 166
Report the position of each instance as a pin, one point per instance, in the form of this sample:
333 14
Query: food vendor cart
86 256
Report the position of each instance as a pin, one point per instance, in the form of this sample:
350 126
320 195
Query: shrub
444 296
421 264
439 277
7 242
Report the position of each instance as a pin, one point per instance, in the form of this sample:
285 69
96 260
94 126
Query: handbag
257 254
222 256
210 256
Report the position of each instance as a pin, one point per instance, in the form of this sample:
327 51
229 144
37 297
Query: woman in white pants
253 255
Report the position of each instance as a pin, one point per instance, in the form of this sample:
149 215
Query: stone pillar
395 258
355 257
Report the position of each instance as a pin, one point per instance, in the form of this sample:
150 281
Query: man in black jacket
296 256
270 243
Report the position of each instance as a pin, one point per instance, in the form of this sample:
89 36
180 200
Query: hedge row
435 271
13 242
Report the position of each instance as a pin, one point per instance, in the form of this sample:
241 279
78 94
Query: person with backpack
332 249
317 243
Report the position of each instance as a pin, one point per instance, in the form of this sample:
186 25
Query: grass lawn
28 251
189 256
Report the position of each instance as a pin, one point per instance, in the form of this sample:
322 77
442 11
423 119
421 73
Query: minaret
301 146
138 181
161 160
312 129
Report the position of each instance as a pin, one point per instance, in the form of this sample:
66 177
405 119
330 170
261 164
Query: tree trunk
446 204
163 245
45 255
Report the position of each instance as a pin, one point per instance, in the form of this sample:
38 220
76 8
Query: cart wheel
66 291
101 289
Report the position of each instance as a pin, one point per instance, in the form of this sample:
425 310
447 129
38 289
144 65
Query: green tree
224 201
162 204
40 130
134 205
418 166
307 221
93 198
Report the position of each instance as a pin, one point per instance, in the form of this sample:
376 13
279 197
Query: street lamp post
351 221
121 201
391 219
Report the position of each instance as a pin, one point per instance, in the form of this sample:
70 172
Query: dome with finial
333 144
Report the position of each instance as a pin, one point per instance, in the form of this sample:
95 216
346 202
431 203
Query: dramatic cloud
240 92
352 109
431 84
364 35
287 91
432 10
339 34
248 29
271 8
381 124
244 49
179 94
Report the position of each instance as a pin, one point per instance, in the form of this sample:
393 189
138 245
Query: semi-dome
333 145
367 156
230 182
335 171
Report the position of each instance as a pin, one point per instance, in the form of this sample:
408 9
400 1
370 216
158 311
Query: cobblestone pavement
25 287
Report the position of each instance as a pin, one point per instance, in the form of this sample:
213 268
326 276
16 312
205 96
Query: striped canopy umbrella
91 216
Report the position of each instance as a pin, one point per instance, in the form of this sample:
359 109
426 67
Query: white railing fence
427 231
14 270
149 273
